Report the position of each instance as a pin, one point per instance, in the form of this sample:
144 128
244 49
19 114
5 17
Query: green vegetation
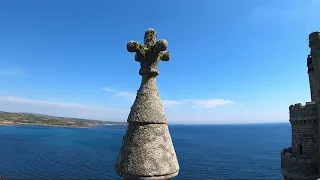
9 118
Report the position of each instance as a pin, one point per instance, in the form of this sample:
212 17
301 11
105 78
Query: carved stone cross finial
147 151
150 53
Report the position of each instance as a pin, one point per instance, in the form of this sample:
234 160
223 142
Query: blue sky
231 61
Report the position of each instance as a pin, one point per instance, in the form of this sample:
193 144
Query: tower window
299 149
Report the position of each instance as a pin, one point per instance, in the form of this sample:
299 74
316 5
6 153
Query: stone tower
147 151
301 160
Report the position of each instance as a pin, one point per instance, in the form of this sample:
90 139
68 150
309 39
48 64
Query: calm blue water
228 152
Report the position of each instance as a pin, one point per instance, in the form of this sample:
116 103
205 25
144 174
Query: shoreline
52 125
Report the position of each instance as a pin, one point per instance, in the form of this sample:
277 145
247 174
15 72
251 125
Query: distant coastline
45 125
13 119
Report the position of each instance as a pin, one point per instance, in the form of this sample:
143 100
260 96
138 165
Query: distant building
301 160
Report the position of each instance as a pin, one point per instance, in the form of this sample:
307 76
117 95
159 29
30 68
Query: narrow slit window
300 151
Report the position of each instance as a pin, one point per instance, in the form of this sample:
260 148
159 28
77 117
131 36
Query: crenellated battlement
303 112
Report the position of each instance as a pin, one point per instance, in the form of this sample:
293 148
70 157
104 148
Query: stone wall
312 80
304 124
298 166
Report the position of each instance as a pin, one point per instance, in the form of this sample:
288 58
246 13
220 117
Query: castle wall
304 124
295 167
314 44
312 80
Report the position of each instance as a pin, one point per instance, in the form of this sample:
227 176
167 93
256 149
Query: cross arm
164 55
161 45
139 57
134 46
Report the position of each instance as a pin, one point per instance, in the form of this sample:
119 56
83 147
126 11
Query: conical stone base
147 108
147 151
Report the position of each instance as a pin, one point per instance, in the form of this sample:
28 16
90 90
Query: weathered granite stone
147 108
147 150
150 53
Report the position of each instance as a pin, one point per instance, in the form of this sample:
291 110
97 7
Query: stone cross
147 150
150 53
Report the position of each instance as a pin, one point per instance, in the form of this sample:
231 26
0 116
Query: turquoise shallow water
226 152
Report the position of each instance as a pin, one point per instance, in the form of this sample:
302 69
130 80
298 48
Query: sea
217 152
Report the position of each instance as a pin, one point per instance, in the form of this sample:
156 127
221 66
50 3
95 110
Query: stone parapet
298 167
308 111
